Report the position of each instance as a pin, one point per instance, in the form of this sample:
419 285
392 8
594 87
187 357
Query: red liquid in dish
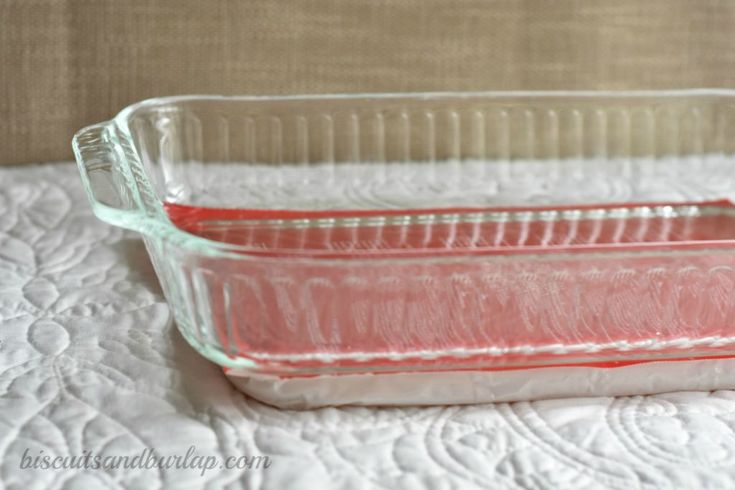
539 310
461 231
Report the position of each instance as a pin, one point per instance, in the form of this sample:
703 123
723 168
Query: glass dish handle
107 188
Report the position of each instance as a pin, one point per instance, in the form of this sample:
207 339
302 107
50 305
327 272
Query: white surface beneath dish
465 387
90 361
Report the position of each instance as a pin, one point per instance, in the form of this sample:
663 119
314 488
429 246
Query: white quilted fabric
90 361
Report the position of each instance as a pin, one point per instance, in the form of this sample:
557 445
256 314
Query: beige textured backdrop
67 63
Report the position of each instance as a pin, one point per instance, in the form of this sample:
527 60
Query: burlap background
67 63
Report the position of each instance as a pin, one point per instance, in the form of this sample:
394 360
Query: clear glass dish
402 233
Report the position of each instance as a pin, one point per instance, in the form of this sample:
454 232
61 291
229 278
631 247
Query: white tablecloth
90 362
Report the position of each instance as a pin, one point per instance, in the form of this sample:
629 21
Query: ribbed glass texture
431 231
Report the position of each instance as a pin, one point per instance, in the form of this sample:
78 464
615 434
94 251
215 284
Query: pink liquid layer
612 310
448 233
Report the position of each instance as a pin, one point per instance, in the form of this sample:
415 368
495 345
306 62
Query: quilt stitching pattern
90 360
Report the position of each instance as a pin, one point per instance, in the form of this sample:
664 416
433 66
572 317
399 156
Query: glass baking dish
506 235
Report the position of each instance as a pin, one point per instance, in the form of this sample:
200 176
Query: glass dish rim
153 221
